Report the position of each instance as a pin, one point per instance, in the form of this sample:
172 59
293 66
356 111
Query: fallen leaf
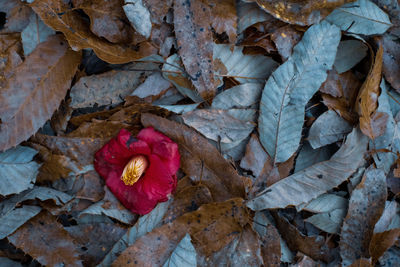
244 68
344 85
372 122
391 55
95 239
329 222
306 12
291 86
49 70
144 225
6 262
223 17
15 218
11 51
285 38
158 9
389 219
391 257
139 16
327 129
255 156
107 19
200 160
309 156
60 119
35 33
192 22
154 86
58 16
309 183
271 247
100 129
245 95
365 207
17 170
183 255
17 16
360 17
380 242
349 53
93 187
362 262
52 245
180 109
211 227
249 14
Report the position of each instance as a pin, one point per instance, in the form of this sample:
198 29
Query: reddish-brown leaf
200 159
35 90
381 242
192 21
59 16
10 53
224 18
211 227
107 19
304 12
372 123
46 241
271 247
361 263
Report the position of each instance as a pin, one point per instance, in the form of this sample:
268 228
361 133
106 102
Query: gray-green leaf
291 86
183 255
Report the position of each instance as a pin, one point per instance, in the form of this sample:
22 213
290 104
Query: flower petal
169 154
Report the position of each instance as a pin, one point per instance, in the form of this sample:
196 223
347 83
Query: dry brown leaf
36 89
17 15
341 107
314 246
60 118
95 240
381 242
45 240
99 115
285 38
391 59
361 263
58 15
107 19
366 205
93 187
200 159
10 55
158 9
372 123
211 227
99 129
271 247
224 18
303 12
195 44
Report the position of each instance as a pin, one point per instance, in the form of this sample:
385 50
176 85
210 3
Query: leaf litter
285 114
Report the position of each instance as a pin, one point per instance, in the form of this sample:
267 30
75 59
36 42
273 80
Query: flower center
134 170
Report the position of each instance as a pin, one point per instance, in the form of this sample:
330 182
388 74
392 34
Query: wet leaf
35 33
240 96
304 12
349 53
327 129
42 81
200 160
391 56
107 19
360 17
17 170
211 227
191 22
15 218
57 15
144 225
372 122
365 207
221 125
183 255
52 245
291 86
309 183
244 68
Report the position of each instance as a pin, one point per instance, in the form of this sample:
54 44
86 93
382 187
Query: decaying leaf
51 245
223 17
365 207
372 122
10 53
42 80
192 22
309 183
305 12
17 170
291 86
360 17
211 228
200 159
57 15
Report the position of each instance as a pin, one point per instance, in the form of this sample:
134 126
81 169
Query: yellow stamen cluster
134 170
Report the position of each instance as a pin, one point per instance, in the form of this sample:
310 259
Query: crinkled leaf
244 68
291 86
144 225
327 129
13 219
35 91
365 207
360 17
17 170
349 53
240 96
309 183
183 255
221 125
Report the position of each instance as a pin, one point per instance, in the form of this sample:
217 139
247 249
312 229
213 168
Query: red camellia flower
139 171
